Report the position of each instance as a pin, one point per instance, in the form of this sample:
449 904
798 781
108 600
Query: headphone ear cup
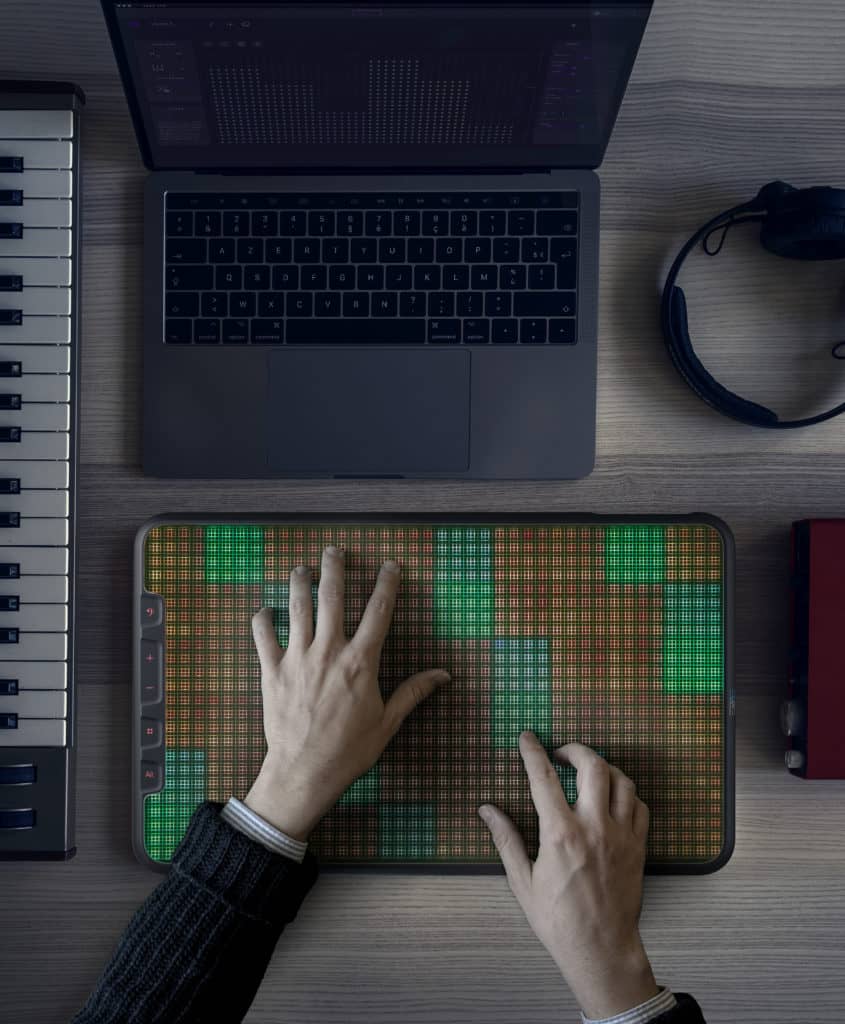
807 224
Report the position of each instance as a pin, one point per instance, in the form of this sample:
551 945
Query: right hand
583 893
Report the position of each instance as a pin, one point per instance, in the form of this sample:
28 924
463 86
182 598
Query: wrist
625 982
283 802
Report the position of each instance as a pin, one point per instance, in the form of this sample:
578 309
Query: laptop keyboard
428 268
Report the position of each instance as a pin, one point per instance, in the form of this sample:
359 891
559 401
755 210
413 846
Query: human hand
583 893
324 717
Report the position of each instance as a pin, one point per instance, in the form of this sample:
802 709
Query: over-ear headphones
800 224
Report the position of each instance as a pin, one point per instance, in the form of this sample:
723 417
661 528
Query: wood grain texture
724 97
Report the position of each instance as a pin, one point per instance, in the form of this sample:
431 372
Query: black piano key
11 229
8 720
8 636
10 603
11 164
11 283
10 570
10 519
10 401
11 197
10 369
8 687
10 434
17 774
18 818
10 317
10 485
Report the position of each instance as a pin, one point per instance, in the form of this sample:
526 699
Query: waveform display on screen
610 635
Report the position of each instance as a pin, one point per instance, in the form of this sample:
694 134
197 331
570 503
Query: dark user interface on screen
273 85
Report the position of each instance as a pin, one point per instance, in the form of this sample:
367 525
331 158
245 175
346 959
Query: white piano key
37 271
36 704
37 589
38 387
37 153
32 646
37 242
46 617
36 474
35 531
35 359
33 330
38 301
37 416
54 504
35 562
36 124
35 732
36 444
35 675
39 213
39 184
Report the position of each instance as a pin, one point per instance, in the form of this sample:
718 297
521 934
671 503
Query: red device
813 716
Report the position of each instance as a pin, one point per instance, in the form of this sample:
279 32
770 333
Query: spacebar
398 332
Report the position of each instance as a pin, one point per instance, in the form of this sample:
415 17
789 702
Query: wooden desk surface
724 98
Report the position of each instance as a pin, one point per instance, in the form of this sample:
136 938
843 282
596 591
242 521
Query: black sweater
196 950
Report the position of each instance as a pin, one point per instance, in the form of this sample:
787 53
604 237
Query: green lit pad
611 634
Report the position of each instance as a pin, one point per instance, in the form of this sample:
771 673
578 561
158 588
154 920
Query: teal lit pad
611 634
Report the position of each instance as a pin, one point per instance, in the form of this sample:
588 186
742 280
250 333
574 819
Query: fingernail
332 550
391 566
442 677
301 570
484 813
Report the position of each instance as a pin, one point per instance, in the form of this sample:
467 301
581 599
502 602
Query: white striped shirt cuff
245 820
642 1014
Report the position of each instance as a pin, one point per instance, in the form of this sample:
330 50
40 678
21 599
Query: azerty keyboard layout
471 268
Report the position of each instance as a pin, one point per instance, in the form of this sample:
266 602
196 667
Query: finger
264 635
330 598
592 779
409 694
300 608
642 816
623 796
375 622
511 848
546 790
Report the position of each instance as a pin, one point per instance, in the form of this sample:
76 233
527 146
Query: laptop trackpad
368 412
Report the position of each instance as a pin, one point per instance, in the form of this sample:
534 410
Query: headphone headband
799 224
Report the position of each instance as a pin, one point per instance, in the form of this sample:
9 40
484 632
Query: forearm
198 947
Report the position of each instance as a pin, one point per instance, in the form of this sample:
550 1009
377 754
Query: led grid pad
610 633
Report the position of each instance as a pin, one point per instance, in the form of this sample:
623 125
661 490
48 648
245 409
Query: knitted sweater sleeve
197 948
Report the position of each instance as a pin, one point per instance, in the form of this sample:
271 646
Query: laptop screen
253 87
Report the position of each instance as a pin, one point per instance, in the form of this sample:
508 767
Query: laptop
371 233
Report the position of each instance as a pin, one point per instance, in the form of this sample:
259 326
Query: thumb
511 847
409 694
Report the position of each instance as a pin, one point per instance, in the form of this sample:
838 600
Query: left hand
325 720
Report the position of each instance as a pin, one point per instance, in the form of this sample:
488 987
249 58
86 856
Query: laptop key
336 250
257 278
497 304
427 278
235 332
177 332
470 304
391 250
265 223
292 223
521 222
562 332
229 278
535 250
182 304
350 224
506 250
271 305
385 304
251 250
208 224
456 278
236 223
221 250
441 304
363 250
326 304
541 277
278 250
398 278
444 331
476 332
330 332
356 304
321 224
412 304
420 250
285 278
188 279
533 304
505 332
485 277
266 332
478 250
299 304
512 277
306 250
370 278
449 250
557 222
406 224
207 332
186 250
532 331
491 222
314 278
242 304
215 304
342 278
180 223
